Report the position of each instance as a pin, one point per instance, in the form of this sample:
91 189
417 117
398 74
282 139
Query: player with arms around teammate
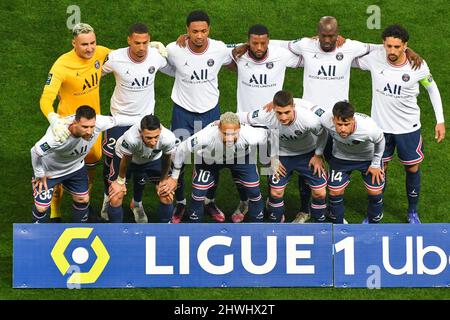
146 148
55 162
358 144
134 69
75 79
297 128
395 87
227 144
195 92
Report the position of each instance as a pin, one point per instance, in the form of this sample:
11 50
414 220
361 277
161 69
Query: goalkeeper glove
59 126
161 48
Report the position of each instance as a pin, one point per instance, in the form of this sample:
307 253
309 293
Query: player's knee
374 192
319 193
276 193
81 199
165 200
335 193
413 169
41 209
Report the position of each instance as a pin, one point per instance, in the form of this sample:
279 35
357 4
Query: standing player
75 79
134 69
56 162
297 128
225 145
260 74
195 92
327 70
395 86
358 144
146 148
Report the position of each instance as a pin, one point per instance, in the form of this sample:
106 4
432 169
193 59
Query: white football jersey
299 137
134 93
394 92
259 80
207 144
58 159
196 86
131 144
326 77
361 144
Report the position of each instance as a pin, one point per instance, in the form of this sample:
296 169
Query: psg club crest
97 64
269 65
210 62
339 56
151 69
405 77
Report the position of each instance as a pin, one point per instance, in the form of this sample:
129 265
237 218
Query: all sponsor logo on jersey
202 75
97 64
92 83
262 79
210 62
49 79
393 90
327 72
269 65
145 82
339 56
151 70
406 77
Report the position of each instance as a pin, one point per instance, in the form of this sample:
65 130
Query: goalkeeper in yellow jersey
75 79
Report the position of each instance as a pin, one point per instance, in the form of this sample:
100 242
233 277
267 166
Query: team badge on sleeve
319 112
255 114
430 78
45 147
49 79
194 142
125 144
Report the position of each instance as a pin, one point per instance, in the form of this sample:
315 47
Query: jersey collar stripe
397 66
198 53
134 61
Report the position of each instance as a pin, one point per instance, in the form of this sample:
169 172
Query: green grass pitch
34 34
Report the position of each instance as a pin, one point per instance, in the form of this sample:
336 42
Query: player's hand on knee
116 189
59 126
377 174
160 46
317 165
39 183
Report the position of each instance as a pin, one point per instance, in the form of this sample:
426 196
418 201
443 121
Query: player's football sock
80 212
208 200
276 209
182 201
305 194
242 193
255 207
137 203
196 209
413 190
115 214
179 192
337 208
165 212
39 217
318 208
375 208
55 206
138 188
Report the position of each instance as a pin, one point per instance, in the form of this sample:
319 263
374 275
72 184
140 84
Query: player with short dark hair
56 162
134 68
395 87
145 149
195 92
296 128
358 144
